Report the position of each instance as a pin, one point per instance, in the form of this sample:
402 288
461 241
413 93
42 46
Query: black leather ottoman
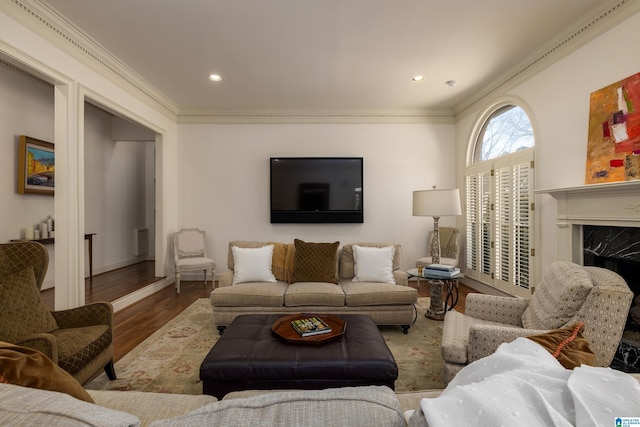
249 356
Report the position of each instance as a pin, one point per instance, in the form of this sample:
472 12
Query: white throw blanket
521 384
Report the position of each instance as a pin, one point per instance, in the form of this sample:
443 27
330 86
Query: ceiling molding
603 17
55 28
314 116
19 69
43 20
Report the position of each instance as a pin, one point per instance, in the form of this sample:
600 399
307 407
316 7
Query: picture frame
36 166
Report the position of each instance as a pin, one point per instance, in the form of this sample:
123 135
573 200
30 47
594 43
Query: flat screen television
316 190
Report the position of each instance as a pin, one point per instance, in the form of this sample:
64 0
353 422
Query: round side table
438 306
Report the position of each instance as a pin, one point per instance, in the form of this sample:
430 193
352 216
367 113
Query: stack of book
310 326
440 270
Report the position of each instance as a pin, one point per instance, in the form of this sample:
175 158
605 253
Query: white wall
26 108
223 177
115 191
558 97
118 176
27 41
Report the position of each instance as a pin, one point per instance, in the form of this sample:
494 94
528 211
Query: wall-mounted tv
316 190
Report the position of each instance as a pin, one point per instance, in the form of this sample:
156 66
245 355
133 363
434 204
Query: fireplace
599 225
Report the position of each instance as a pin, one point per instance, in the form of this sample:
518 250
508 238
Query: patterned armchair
566 295
79 340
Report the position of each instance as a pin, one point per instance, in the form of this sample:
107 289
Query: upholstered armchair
449 247
79 340
566 295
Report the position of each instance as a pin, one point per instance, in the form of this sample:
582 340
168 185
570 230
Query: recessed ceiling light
451 83
215 77
418 78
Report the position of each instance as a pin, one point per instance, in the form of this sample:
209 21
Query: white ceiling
322 54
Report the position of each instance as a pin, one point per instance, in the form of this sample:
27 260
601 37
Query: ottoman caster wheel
405 329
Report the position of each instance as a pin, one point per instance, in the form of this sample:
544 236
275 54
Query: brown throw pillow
22 311
568 345
315 262
27 367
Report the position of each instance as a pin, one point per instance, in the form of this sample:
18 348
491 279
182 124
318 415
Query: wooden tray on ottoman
282 327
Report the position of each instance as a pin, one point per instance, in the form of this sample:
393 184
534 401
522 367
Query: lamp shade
436 203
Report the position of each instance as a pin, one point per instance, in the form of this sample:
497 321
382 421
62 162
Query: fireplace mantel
612 204
593 190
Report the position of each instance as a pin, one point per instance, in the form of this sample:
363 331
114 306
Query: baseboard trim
132 298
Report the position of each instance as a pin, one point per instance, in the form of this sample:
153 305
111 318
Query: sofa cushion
370 293
252 264
313 293
23 406
373 264
22 311
27 367
347 261
568 345
558 296
315 262
353 406
148 406
250 294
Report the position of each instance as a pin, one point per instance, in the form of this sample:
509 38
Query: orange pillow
27 367
568 345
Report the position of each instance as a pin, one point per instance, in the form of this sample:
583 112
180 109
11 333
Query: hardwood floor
137 322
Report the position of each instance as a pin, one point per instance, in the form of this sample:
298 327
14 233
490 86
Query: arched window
499 195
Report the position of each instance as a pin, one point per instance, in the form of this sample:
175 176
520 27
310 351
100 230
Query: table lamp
436 203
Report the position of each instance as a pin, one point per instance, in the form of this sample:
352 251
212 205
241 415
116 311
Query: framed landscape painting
613 149
36 166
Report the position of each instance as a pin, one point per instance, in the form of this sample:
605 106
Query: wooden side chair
190 253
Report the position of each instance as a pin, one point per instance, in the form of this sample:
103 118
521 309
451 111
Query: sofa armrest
484 340
43 342
402 277
226 279
99 313
507 310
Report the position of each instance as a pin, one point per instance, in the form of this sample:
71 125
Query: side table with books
439 275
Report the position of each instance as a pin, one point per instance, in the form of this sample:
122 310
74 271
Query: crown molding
597 20
313 116
19 69
43 20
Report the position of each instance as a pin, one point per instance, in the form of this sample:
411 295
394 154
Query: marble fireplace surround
611 204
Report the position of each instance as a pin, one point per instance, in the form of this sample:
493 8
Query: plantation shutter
499 222
479 220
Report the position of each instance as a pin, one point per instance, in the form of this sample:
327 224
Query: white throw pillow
373 264
252 264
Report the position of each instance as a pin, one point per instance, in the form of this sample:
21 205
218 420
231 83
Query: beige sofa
386 303
349 406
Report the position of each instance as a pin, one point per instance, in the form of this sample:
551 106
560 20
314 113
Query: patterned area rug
169 360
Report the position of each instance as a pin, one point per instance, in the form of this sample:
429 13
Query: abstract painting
613 149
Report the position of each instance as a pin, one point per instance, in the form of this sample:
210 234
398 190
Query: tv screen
316 190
